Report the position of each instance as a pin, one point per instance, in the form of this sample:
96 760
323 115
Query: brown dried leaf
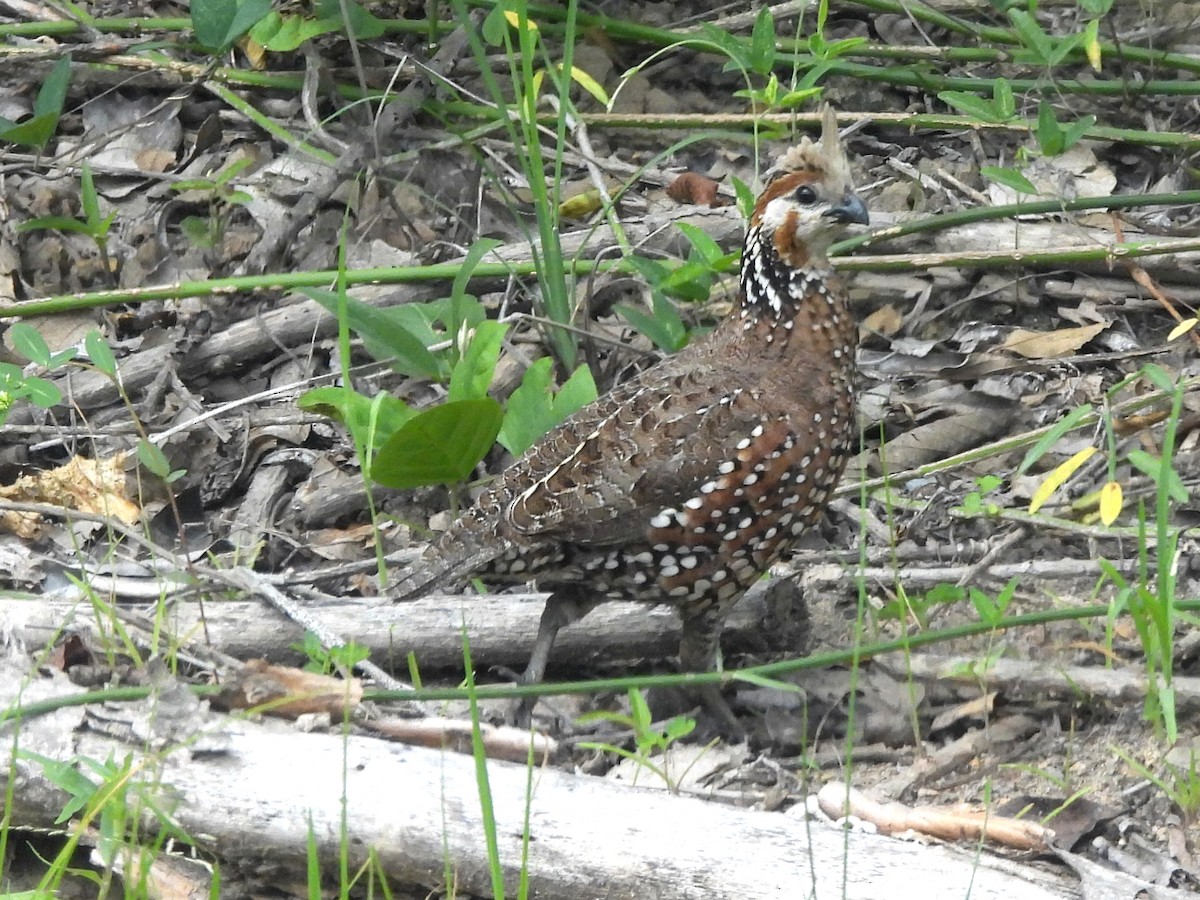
152 159
88 485
288 692
695 189
886 320
944 437
1050 344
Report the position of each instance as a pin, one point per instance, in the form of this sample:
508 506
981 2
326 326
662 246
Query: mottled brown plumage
684 484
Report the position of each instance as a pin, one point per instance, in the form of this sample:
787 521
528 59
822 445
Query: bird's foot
519 712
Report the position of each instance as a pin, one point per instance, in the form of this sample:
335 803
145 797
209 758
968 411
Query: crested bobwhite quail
685 483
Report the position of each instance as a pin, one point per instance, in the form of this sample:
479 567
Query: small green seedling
209 231
93 224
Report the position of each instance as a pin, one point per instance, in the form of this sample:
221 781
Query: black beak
851 209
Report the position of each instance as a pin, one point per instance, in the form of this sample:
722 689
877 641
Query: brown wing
650 445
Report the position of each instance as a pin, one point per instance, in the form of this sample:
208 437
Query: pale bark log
501 628
255 803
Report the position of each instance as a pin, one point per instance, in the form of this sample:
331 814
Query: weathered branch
501 628
255 797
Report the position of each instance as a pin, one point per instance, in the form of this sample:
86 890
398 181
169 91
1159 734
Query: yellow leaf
581 205
531 99
515 21
1182 328
255 52
1091 43
1110 502
589 84
1058 478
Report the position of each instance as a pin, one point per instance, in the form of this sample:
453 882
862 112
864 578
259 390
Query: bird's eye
805 194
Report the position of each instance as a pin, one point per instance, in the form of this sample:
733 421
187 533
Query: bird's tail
459 553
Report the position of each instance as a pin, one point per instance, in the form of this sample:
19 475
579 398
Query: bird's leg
698 649
565 605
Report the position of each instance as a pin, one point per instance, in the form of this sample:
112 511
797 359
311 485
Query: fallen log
501 627
253 794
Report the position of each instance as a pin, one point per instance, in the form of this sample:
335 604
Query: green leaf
1031 35
100 353
652 270
988 483
1049 135
283 34
357 412
529 414
817 45
35 132
745 197
66 777
792 99
53 92
762 42
640 710
986 609
1068 422
364 25
1009 178
691 281
348 655
1005 597
533 408
57 223
458 290
664 328
707 249
1158 376
383 335
152 457
88 198
1076 130
734 49
42 393
972 105
577 392
29 342
1064 47
218 23
494 26
231 171
844 46
196 229
945 593
1154 467
1003 102
439 446
472 374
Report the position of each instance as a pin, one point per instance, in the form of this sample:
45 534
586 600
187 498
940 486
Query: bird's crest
825 160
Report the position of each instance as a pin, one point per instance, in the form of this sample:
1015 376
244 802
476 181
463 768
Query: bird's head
808 200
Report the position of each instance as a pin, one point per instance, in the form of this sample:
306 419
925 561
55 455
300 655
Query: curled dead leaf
581 205
288 692
885 320
94 486
695 189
